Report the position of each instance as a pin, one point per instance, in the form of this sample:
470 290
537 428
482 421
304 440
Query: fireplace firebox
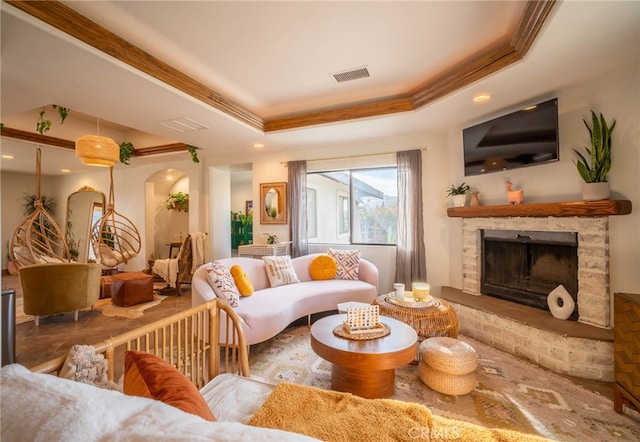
525 266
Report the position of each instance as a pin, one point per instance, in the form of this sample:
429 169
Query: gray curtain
298 207
410 257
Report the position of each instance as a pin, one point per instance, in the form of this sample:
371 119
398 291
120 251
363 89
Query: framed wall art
273 203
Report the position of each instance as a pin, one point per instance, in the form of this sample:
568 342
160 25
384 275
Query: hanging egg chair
114 238
38 239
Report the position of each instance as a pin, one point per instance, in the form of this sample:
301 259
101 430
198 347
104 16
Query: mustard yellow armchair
49 289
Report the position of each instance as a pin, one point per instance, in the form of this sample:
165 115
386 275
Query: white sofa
269 310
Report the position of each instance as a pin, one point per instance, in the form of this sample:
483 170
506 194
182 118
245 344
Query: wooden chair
184 264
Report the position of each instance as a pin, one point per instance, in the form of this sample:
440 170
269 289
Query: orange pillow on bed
146 375
242 280
323 267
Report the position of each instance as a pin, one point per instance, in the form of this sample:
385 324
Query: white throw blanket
167 269
200 250
43 407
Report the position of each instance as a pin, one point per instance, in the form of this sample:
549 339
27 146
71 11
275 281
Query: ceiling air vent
184 125
353 74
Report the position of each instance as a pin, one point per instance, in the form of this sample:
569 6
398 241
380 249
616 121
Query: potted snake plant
595 165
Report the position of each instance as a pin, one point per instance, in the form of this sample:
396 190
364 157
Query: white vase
459 200
595 191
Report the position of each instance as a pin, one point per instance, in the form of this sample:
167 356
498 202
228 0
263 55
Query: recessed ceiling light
482 97
8 157
65 170
258 145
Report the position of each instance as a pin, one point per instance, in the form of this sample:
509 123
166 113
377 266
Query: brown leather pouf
131 288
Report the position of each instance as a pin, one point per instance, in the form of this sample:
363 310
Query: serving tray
409 301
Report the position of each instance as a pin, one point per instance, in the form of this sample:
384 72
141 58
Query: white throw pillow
222 283
347 262
280 270
84 365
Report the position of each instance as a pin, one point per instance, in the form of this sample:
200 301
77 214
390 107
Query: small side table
439 319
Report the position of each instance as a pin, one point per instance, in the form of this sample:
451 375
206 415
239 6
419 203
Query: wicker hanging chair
114 238
38 239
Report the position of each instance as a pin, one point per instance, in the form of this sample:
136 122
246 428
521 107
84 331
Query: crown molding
464 73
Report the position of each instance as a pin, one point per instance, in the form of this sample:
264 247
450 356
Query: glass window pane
357 206
375 206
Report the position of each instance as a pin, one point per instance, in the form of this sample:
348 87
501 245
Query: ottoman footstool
447 365
131 288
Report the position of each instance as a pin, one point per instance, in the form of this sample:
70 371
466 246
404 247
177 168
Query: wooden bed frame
184 340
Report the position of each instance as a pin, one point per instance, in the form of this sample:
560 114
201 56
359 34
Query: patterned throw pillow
222 283
84 365
280 270
245 287
347 262
323 267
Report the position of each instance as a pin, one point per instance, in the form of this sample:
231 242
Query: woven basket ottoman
448 365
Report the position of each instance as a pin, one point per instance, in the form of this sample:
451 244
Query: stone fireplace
582 347
592 233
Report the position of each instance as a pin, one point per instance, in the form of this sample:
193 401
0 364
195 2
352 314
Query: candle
420 291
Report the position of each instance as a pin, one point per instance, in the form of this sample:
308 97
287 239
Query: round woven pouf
448 355
452 384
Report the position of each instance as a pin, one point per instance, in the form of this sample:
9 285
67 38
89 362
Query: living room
609 86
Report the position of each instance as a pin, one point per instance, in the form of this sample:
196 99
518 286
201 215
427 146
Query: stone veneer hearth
584 348
594 302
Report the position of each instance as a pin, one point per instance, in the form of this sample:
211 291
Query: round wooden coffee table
364 367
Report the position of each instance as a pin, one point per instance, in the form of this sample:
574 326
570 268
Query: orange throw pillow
323 267
242 280
147 375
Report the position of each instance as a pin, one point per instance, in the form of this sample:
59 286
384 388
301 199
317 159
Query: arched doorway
166 223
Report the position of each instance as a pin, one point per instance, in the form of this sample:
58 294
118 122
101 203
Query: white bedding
233 398
42 407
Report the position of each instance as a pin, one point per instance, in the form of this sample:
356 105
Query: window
312 217
353 206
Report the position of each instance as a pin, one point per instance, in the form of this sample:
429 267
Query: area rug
510 393
107 308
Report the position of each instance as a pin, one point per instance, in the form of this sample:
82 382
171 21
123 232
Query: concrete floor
56 334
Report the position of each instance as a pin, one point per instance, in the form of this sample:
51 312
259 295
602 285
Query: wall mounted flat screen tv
524 138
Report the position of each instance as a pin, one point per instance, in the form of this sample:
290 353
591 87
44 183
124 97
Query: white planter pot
459 200
595 191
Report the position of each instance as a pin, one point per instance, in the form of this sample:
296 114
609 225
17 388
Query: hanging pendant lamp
95 150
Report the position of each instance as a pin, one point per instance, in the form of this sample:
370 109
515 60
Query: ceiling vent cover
184 125
353 74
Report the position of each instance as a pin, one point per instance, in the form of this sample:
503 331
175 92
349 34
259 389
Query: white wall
616 96
241 193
